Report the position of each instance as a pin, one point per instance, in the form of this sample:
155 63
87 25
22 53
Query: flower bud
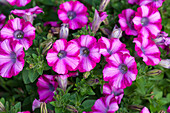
165 63
43 108
116 33
2 108
103 5
162 111
136 107
29 17
64 31
39 29
47 47
11 16
86 74
154 72
71 108
106 31
62 81
93 81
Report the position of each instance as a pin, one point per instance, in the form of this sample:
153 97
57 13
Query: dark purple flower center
61 54
144 21
123 68
84 51
116 93
13 57
19 34
130 25
51 87
71 15
143 50
109 51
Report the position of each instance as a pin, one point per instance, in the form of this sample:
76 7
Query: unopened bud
116 33
162 111
39 29
47 47
165 63
106 31
49 35
64 31
86 74
43 108
154 72
136 107
11 16
2 108
62 81
93 81
103 5
71 108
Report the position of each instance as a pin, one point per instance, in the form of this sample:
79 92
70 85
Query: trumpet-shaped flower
2 20
19 3
111 46
28 14
109 89
147 49
74 13
63 56
121 70
36 104
133 1
145 110
11 58
46 87
147 21
153 3
18 29
125 21
89 52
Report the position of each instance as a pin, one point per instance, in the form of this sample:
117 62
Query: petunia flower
2 20
74 13
145 110
165 63
153 3
133 1
111 46
147 21
107 104
19 3
46 87
89 52
11 58
168 110
125 21
28 14
147 49
18 29
52 23
24 112
36 104
121 70
63 56
109 89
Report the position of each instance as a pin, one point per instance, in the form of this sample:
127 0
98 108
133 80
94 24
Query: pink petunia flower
147 21
133 1
153 3
168 110
19 3
145 110
74 13
147 49
109 89
36 104
28 14
52 23
63 56
18 29
111 46
89 52
2 20
24 112
46 87
121 70
107 104
11 58
125 21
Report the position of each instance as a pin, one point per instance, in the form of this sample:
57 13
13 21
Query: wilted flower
28 14
103 5
63 56
165 63
64 31
147 21
46 87
52 23
152 3
74 13
89 52
133 1
116 33
147 49
19 3
109 89
107 104
168 110
121 70
36 104
145 110
125 21
2 20
18 29
97 20
111 46
11 58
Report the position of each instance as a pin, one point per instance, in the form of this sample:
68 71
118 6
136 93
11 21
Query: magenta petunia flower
133 1
125 21
74 13
168 110
52 23
111 46
147 21
36 104
107 104
24 112
2 20
145 110
121 70
63 56
147 49
19 3
89 52
153 3
11 58
18 29
46 87
28 14
109 89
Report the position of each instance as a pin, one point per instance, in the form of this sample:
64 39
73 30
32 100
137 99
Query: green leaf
33 75
88 104
25 76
